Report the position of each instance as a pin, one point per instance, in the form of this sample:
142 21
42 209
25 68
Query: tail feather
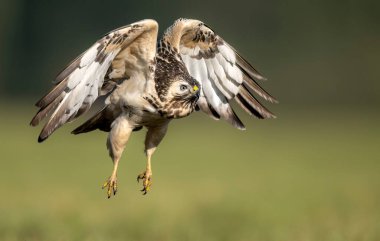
98 121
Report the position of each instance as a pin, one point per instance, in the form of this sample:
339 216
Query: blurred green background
312 174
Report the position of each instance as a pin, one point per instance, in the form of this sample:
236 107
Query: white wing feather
223 73
79 85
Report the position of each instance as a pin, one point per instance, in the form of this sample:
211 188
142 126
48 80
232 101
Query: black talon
144 191
146 182
141 176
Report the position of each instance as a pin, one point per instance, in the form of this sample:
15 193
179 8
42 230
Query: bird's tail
98 121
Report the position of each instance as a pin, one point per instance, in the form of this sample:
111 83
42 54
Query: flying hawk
147 84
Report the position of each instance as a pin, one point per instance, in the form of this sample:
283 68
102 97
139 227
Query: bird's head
180 97
183 88
177 90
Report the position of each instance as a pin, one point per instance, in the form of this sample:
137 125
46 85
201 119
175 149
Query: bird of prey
148 83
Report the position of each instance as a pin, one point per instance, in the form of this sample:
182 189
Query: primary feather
223 73
79 85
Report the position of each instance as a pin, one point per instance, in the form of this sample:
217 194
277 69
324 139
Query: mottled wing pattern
224 75
96 72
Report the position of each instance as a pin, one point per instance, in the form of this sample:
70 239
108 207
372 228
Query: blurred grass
308 175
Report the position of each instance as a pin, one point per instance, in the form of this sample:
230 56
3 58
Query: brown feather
214 112
233 119
254 86
250 103
246 66
98 121
205 107
53 124
69 69
44 111
53 94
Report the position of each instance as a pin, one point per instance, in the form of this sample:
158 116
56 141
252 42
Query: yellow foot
111 185
147 181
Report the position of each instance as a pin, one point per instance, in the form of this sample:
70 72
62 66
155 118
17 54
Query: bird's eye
183 87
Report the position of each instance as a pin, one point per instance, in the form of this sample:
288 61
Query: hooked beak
196 91
195 88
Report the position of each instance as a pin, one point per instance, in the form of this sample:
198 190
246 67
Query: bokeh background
311 174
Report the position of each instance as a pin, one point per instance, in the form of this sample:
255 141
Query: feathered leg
117 139
153 138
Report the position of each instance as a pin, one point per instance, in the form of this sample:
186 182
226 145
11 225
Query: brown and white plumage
148 84
124 54
224 74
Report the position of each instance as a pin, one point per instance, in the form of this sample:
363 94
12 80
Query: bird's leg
117 139
146 176
111 183
153 137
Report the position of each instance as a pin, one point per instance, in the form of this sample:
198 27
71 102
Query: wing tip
260 77
76 131
269 115
274 101
254 87
34 122
41 102
233 118
42 138
242 128
252 106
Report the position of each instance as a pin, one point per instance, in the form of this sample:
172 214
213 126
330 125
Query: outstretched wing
224 74
97 71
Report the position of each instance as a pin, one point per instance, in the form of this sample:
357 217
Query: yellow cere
195 88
